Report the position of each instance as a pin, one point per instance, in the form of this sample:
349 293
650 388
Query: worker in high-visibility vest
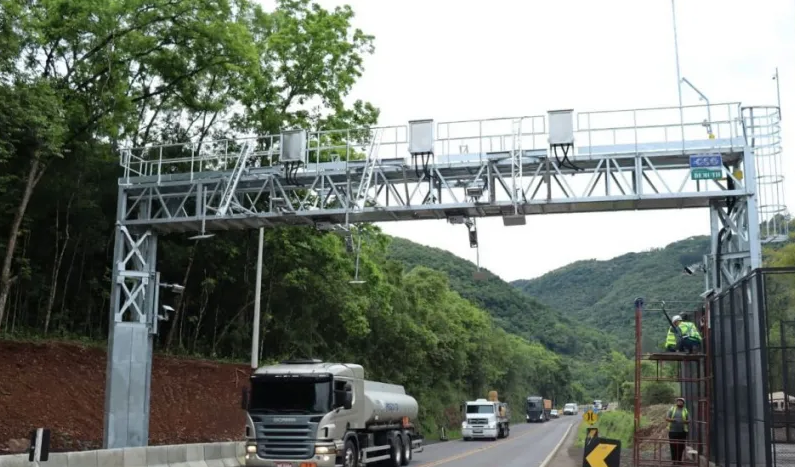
683 337
678 420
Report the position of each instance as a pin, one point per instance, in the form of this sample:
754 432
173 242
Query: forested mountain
80 79
515 312
586 352
601 293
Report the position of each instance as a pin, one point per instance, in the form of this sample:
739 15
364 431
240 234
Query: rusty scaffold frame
693 372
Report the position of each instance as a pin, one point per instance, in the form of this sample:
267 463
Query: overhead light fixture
202 236
176 288
166 310
693 268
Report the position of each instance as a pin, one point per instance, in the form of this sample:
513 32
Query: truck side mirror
244 399
348 401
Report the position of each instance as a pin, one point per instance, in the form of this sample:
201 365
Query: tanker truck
311 413
486 419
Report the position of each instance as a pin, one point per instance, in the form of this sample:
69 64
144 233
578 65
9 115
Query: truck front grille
478 421
281 441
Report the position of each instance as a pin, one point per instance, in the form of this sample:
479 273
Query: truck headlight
251 449
325 450
463 425
492 424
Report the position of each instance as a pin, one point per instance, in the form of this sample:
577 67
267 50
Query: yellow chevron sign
602 452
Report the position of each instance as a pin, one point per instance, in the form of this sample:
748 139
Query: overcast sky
469 59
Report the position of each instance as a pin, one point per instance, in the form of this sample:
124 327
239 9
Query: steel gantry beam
636 159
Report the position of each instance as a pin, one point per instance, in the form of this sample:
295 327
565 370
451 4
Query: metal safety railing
646 130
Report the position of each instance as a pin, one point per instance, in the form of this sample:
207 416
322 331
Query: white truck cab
485 419
570 409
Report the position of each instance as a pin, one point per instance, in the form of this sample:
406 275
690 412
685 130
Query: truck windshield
290 394
533 404
480 409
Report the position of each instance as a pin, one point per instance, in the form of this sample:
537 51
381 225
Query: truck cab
485 419
536 410
307 412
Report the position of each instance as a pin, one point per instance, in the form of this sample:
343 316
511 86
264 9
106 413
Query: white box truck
311 413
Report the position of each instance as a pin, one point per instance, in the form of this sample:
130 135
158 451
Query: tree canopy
79 80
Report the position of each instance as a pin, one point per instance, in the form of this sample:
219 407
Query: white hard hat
676 318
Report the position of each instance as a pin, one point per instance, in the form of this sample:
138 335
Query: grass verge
615 424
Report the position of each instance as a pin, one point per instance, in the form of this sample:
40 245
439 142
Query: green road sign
706 174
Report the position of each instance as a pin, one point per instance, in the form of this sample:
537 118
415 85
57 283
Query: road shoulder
568 455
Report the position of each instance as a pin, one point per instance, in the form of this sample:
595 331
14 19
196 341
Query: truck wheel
408 449
507 430
350 456
396 450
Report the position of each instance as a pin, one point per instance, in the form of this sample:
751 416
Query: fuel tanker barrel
387 403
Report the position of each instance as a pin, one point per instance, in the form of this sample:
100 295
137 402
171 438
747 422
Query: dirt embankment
62 387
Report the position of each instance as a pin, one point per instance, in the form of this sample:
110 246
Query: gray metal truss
622 160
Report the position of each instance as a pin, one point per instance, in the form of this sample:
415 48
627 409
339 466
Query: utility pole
257 303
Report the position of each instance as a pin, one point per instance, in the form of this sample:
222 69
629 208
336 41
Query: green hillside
601 293
513 311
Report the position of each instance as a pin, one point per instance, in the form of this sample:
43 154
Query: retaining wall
178 455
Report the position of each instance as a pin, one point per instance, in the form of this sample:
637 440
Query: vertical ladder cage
692 372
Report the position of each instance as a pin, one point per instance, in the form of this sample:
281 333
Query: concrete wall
180 455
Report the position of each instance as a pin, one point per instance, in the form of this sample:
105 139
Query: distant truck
486 419
570 409
537 409
307 412
597 404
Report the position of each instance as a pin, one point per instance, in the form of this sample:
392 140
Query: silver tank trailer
387 403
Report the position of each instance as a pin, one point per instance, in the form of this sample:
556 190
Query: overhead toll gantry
563 162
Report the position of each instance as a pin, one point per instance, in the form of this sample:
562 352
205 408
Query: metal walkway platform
475 171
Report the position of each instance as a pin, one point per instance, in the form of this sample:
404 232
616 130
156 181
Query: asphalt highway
528 446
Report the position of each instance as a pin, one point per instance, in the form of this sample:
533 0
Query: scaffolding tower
651 446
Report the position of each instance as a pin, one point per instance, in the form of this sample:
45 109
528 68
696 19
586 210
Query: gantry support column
133 315
736 251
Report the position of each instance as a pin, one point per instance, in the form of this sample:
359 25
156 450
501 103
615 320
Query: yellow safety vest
685 416
687 330
692 332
